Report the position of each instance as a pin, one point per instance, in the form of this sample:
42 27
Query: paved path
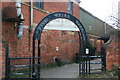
67 71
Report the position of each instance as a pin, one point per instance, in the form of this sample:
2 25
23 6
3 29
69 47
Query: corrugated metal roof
93 25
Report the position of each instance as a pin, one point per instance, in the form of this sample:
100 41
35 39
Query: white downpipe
30 29
20 15
31 14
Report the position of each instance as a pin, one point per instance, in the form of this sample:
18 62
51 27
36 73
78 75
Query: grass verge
107 74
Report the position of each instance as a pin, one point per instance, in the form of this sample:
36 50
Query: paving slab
66 71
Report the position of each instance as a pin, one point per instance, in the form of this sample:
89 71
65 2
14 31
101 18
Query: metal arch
39 28
47 19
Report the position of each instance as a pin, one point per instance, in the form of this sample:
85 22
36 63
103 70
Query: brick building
62 43
54 43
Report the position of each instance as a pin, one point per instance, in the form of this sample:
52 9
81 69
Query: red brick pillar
112 51
2 60
0 42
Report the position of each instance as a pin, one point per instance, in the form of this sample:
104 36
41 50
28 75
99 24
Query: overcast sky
102 9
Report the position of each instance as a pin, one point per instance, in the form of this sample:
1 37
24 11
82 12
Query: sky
103 9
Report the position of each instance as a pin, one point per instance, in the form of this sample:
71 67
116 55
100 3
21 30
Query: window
39 4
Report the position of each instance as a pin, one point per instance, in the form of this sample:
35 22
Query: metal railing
118 73
85 64
9 73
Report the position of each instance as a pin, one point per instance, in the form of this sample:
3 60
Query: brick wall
112 51
95 42
1 59
67 42
0 42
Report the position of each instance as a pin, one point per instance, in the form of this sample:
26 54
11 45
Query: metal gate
15 71
87 63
